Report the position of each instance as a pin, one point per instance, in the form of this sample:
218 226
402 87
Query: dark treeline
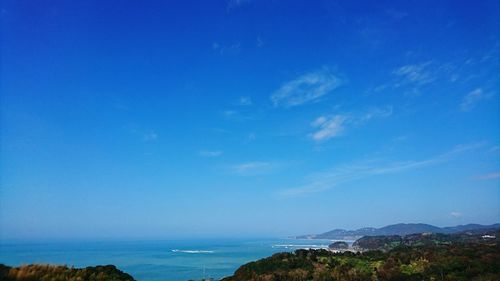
432 258
457 262
43 272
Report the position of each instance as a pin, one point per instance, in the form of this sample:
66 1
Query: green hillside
457 262
43 272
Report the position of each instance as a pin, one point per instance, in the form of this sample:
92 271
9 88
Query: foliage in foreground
479 262
42 272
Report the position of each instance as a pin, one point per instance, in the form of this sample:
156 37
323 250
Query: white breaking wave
301 246
193 251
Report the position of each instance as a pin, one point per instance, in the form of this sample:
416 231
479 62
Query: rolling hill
396 229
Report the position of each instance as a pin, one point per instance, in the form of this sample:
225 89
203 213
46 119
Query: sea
169 260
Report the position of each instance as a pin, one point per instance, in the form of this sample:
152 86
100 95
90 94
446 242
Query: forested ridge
457 262
44 272
457 257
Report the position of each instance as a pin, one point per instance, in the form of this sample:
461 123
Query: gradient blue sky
167 119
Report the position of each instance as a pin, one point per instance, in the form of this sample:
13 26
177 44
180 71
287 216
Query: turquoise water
178 260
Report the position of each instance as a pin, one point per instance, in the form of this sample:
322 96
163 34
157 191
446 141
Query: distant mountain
396 229
423 257
470 227
408 228
389 242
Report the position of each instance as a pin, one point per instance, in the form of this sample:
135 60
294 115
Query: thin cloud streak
307 88
214 153
245 101
418 74
328 127
232 49
347 173
333 126
250 168
150 136
472 98
412 78
490 176
255 168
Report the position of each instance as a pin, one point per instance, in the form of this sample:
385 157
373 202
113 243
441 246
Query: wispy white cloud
417 74
150 136
240 115
251 137
142 133
492 55
490 176
412 78
229 113
211 153
400 138
232 49
456 214
260 42
376 112
255 168
472 98
415 77
245 101
307 88
328 127
346 173
495 148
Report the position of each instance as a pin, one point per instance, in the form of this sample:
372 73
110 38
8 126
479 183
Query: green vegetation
339 245
42 272
386 243
473 255
457 262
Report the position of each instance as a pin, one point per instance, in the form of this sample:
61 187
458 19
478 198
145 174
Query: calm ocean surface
178 260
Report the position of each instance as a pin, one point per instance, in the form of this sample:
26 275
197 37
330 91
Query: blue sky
167 119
